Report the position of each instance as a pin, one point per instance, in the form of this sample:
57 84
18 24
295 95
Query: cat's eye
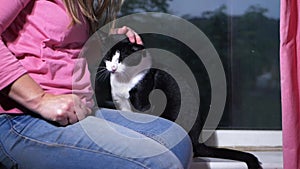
135 48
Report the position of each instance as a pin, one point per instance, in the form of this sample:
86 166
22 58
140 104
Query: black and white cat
126 75
132 80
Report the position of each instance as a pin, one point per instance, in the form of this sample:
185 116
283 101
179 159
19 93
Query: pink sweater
36 38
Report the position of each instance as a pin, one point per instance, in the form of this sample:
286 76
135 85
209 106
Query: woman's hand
63 109
131 34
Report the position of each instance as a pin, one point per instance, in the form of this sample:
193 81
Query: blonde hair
97 12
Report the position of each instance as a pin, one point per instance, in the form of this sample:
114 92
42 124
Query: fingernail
132 40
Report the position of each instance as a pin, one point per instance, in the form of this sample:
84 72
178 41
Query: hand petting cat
130 33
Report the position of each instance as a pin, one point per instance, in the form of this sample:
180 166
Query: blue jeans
108 140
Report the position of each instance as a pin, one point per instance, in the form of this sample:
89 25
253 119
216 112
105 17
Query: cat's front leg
122 102
125 105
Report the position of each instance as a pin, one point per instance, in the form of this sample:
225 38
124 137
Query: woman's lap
109 141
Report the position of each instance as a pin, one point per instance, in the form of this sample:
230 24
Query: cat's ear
118 52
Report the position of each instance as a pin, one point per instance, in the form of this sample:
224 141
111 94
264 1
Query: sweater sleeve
10 68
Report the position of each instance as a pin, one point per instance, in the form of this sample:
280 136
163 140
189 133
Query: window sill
265 145
245 138
269 160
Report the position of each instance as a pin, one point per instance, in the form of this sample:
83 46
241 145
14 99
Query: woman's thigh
167 133
33 143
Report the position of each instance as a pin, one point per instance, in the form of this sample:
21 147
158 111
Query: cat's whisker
101 70
102 74
102 77
100 67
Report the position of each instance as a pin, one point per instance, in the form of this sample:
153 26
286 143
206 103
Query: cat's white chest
120 90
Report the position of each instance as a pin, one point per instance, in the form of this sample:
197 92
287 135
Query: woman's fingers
81 110
63 109
66 116
131 34
72 118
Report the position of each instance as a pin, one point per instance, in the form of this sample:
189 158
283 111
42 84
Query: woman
44 121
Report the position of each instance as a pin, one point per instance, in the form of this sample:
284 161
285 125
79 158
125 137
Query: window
246 37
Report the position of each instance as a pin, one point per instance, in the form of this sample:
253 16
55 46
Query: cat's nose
114 68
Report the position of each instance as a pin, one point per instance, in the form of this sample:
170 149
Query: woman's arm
10 68
63 109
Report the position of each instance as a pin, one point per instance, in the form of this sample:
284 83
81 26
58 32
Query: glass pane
246 37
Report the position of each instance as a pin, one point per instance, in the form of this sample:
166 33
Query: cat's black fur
158 79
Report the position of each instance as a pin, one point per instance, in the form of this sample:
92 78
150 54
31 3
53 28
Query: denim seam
3 149
153 137
7 154
73 147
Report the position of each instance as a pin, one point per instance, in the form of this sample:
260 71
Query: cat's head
123 55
